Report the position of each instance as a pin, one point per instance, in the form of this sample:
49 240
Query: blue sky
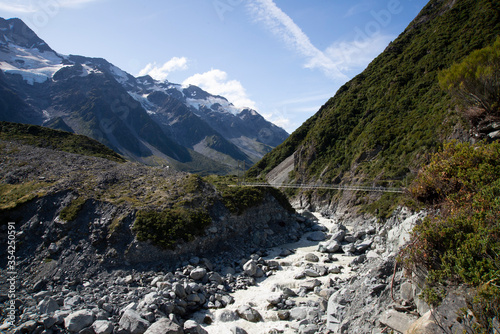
284 58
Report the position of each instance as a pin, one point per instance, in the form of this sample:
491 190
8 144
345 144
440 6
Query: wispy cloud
355 55
281 25
161 72
217 82
26 7
358 8
322 97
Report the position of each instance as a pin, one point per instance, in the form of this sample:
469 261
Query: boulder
198 273
103 327
339 236
364 245
311 273
396 320
192 327
164 326
132 322
308 329
329 247
228 316
424 325
310 285
316 236
311 257
248 313
250 268
47 306
238 330
78 320
179 290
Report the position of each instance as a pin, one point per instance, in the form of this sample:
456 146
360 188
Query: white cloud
281 25
357 54
216 82
161 73
280 120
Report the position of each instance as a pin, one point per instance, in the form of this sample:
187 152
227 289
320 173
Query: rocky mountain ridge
143 119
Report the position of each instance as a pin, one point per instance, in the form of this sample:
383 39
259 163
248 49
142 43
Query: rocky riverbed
338 278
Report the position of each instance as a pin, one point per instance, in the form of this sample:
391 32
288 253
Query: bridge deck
324 186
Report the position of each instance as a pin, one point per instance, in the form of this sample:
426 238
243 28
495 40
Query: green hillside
383 123
55 139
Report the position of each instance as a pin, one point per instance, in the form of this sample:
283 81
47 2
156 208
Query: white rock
250 268
103 327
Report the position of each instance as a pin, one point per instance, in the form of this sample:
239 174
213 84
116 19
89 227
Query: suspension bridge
324 186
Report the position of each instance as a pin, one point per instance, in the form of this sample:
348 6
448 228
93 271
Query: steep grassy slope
381 124
59 140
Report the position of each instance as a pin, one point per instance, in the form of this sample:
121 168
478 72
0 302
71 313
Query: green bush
70 212
461 242
168 227
238 199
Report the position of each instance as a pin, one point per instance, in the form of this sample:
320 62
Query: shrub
460 243
168 227
238 199
70 212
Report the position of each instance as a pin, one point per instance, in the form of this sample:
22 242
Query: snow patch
210 101
145 103
120 75
33 65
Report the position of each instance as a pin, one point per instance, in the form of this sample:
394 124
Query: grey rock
103 327
132 322
198 273
311 257
78 320
284 314
329 247
311 284
311 273
350 238
289 292
298 313
47 306
228 316
238 330
164 326
335 270
179 290
308 329
53 248
407 291
363 246
339 236
316 236
398 321
248 313
250 268
349 248
192 327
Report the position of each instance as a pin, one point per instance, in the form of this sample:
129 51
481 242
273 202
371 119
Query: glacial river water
257 296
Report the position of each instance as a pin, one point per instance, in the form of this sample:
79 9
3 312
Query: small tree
474 82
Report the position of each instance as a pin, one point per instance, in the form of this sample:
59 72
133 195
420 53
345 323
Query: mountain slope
381 124
143 119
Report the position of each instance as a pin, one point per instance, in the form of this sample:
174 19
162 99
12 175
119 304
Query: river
269 287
